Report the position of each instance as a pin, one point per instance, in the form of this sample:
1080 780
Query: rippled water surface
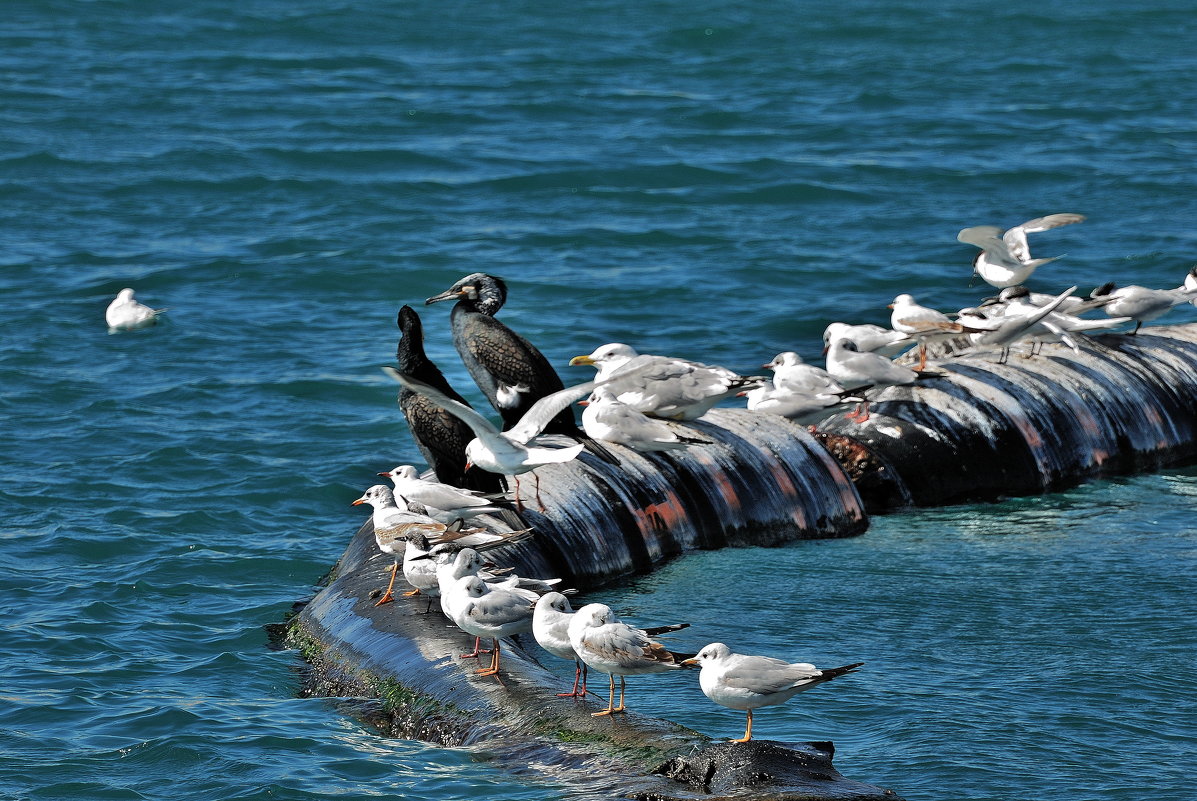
716 181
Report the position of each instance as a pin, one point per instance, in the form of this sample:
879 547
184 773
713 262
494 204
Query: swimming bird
440 436
662 386
483 611
443 502
739 681
616 648
1005 257
1142 304
126 314
922 323
510 452
850 367
608 418
868 338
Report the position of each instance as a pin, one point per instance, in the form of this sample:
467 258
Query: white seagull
550 627
1005 257
444 502
790 372
852 368
608 418
868 338
616 648
922 323
510 452
485 612
662 386
126 314
738 681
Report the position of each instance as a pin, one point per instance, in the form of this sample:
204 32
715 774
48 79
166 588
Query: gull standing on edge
868 338
616 648
510 452
662 386
126 314
550 627
1005 257
445 503
738 681
922 323
487 612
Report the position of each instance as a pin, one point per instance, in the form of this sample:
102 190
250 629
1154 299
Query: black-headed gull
1005 257
608 418
443 502
922 323
613 647
126 314
739 681
852 368
483 611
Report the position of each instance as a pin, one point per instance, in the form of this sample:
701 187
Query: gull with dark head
851 368
739 681
483 611
1005 257
868 338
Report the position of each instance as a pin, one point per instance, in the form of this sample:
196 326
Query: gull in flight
616 648
443 502
126 314
662 386
1005 257
739 681
510 452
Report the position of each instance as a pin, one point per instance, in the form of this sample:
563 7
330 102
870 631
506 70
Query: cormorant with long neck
440 436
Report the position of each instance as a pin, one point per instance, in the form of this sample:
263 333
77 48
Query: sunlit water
709 180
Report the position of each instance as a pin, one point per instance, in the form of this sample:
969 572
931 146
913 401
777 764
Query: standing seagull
487 612
737 681
1005 257
444 503
615 648
510 452
126 314
440 436
608 418
922 323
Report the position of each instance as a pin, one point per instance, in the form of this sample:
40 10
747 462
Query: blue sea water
712 180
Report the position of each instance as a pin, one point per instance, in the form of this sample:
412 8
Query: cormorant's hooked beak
449 294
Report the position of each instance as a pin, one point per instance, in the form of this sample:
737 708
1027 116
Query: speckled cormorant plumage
510 370
440 436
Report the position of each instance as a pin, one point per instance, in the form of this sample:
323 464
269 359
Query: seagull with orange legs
483 611
393 526
443 502
617 649
510 452
738 681
923 324
852 368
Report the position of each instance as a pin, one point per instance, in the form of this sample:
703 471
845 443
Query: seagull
486 612
790 372
802 407
393 525
739 681
444 502
1014 324
662 386
868 338
608 418
1190 284
852 368
510 452
922 323
550 627
1142 304
1005 257
126 314
616 648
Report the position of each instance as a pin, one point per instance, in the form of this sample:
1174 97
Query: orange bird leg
922 356
476 651
386 596
574 692
747 731
494 661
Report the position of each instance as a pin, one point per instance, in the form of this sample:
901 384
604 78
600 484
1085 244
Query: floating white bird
852 368
868 338
443 502
1142 304
923 324
510 452
738 681
662 386
616 648
1005 257
485 612
126 314
608 418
